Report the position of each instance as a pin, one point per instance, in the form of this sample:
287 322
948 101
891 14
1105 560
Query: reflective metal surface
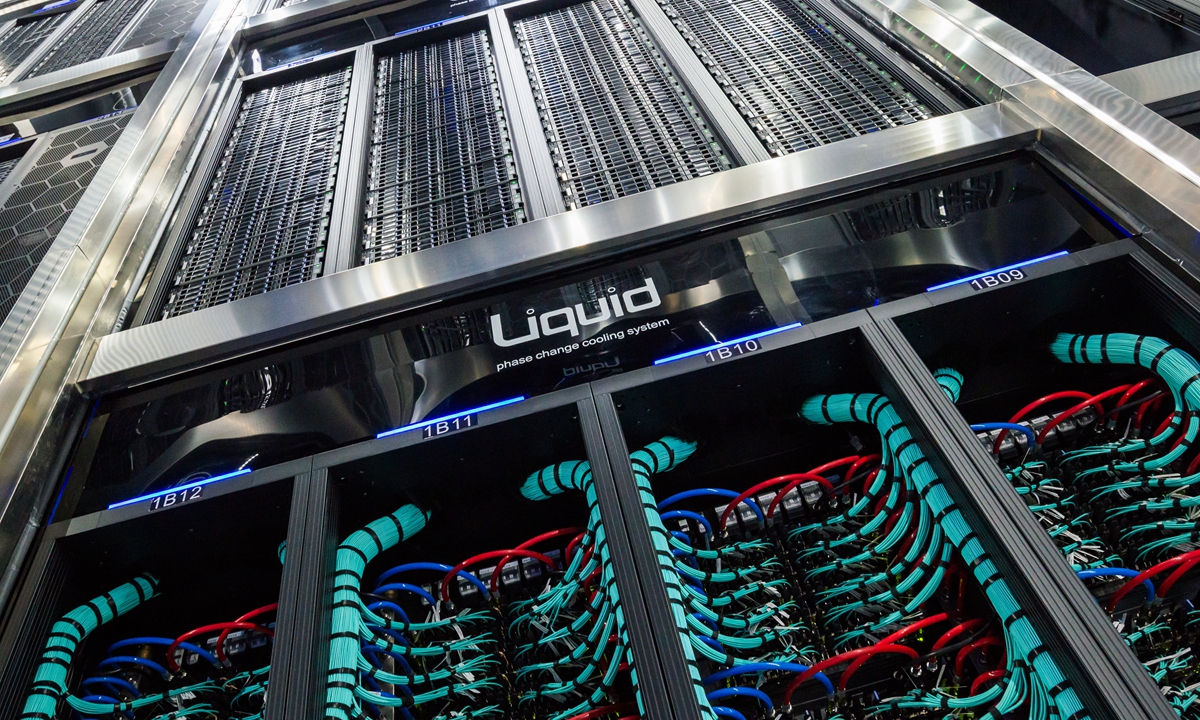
1169 87
542 245
45 92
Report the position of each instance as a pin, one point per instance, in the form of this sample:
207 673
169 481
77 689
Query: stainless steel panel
163 20
1168 87
22 99
541 246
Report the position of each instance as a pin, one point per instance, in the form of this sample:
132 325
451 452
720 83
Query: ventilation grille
89 38
441 164
265 218
19 41
616 119
795 78
6 168
45 196
164 20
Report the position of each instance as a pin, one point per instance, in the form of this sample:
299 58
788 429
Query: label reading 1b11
1000 278
727 352
445 427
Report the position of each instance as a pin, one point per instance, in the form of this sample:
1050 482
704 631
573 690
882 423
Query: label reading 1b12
1000 278
727 352
178 497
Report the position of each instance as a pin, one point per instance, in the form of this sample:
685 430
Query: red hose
212 628
1064 395
989 641
253 613
1147 574
1093 401
844 679
850 460
1175 576
782 479
604 710
488 556
526 545
794 481
984 678
963 627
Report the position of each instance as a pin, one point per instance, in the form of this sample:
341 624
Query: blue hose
1013 427
432 566
743 692
711 492
406 587
194 649
728 712
754 668
119 660
688 515
1118 572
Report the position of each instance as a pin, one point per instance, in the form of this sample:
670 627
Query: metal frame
542 246
1169 87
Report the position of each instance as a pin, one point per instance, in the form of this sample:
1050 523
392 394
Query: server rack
1156 301
758 277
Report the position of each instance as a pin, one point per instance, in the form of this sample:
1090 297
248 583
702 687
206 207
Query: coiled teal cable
50 680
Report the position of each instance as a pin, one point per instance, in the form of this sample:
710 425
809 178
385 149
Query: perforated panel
45 196
164 20
6 167
616 119
796 79
441 165
90 38
19 41
265 217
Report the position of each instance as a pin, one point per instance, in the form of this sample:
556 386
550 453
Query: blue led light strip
430 26
189 486
1006 268
707 348
444 418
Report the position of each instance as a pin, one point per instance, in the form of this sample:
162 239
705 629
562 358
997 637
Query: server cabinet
1021 374
522 528
182 598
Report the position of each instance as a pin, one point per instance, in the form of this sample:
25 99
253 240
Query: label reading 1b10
726 352
1000 278
445 427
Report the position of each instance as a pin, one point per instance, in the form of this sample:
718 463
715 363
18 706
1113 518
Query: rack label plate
180 497
1000 278
446 427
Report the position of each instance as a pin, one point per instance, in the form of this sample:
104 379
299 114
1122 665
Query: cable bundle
847 590
1112 477
223 676
486 646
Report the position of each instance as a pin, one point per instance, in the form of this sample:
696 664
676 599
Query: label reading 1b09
745 347
178 497
446 427
1000 278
